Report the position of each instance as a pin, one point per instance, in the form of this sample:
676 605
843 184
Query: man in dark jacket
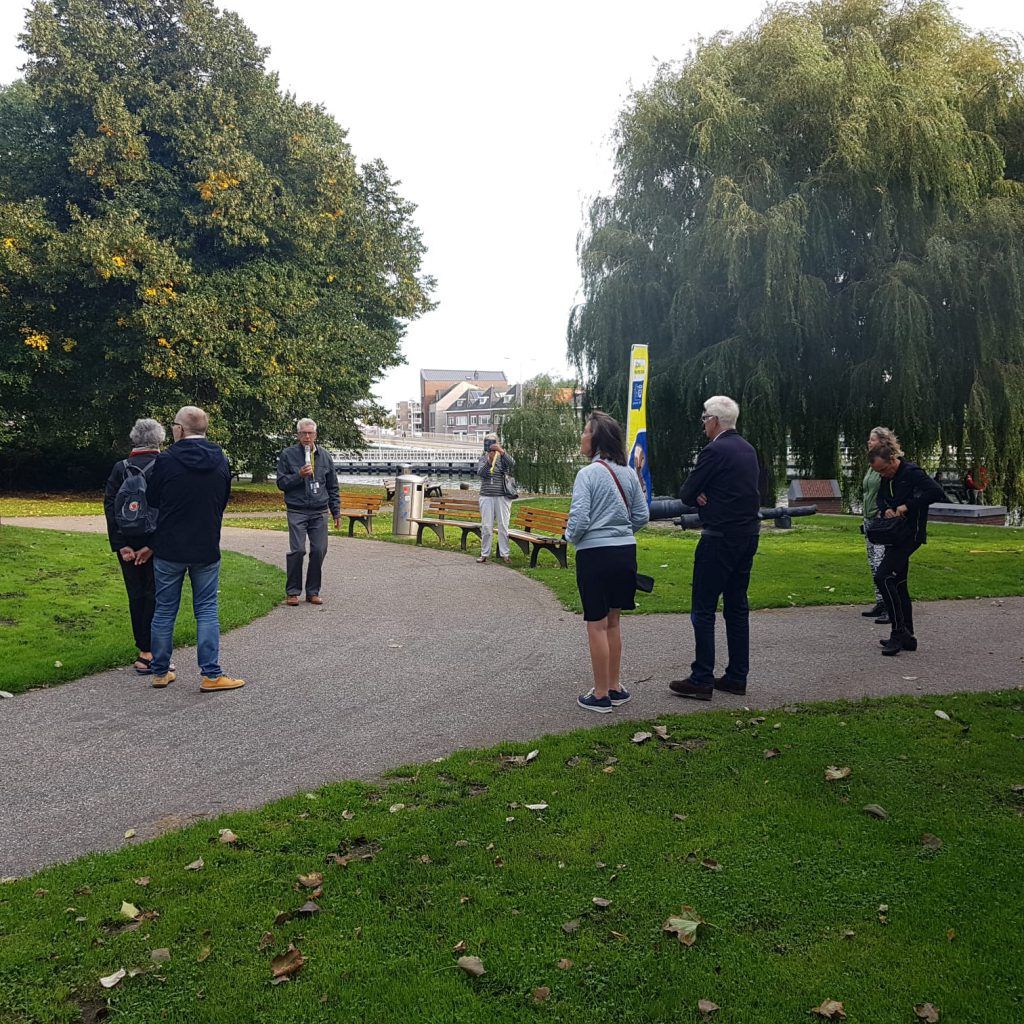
724 487
190 485
305 472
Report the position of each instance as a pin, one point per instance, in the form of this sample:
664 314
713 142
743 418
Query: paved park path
415 653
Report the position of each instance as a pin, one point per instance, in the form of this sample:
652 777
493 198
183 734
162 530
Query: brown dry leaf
641 737
707 1007
876 811
287 963
160 956
113 979
143 881
564 964
463 900
927 1012
347 814
571 926
498 862
203 954
460 946
424 858
830 1009
312 880
684 925
266 941
771 752
308 909
710 865
930 842
600 902
950 935
283 918
541 994
225 835
619 936
834 774
472 965
196 865
609 769
661 731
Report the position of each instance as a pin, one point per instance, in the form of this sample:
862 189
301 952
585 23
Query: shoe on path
506 559
220 683
314 599
482 558
602 705
907 641
618 697
161 681
883 620
292 600
727 685
688 688
871 613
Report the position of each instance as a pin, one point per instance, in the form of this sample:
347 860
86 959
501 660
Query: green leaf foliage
822 217
176 230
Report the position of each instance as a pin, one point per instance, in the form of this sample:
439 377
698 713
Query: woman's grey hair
722 406
883 435
147 434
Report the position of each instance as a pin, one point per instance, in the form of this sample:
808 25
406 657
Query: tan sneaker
220 683
161 681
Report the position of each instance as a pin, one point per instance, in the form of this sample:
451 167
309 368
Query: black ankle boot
898 641
871 613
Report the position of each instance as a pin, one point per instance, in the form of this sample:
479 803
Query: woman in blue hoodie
608 507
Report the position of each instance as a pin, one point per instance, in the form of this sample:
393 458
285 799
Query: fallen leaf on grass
684 925
930 842
830 1009
834 774
460 946
395 808
707 1007
266 941
661 731
160 956
619 936
541 994
472 965
308 909
927 1012
609 769
289 962
679 817
536 807
943 716
710 865
143 881
129 910
1017 789
347 814
876 811
848 934
204 954
113 979
225 835
564 964
641 737
312 880
601 903
571 926
950 935
196 865
772 752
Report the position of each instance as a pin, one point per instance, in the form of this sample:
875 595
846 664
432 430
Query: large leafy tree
823 217
174 229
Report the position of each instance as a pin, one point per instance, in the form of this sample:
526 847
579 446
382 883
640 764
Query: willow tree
176 229
824 217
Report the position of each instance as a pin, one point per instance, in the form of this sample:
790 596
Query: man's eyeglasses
178 425
707 416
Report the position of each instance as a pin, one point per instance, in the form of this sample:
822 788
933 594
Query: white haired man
306 474
724 487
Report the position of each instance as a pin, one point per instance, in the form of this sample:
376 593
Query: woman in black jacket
904 493
134 554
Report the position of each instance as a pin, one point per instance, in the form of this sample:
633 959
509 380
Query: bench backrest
452 508
539 520
369 502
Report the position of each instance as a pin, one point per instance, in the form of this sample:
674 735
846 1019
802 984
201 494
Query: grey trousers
300 526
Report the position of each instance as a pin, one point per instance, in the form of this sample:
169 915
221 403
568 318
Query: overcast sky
497 120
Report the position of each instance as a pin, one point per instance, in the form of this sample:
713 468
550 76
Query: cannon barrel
685 516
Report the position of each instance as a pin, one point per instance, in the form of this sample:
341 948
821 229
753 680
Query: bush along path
857 861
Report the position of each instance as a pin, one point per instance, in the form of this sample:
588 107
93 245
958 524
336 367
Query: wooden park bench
462 513
360 508
429 489
539 529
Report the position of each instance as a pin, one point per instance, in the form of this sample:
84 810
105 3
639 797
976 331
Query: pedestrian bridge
425 454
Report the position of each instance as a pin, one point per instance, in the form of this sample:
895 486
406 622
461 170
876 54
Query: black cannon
685 516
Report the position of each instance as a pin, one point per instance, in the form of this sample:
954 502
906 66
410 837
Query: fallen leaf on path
472 965
707 1007
4 695
130 834
112 979
641 737
287 964
876 811
225 835
834 774
160 956
312 880
564 964
684 925
196 865
927 1012
830 1009
943 716
129 910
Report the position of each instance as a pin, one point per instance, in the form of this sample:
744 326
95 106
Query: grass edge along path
64 611
559 871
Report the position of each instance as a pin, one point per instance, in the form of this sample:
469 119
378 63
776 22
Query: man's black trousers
138 581
891 580
721 568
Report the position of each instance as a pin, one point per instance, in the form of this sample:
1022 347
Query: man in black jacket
905 492
190 485
305 472
724 487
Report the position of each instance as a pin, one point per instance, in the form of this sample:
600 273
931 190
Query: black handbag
892 532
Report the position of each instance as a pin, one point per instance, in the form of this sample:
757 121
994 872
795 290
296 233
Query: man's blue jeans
169 577
721 568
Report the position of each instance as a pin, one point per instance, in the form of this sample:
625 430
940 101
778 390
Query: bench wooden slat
527 524
359 508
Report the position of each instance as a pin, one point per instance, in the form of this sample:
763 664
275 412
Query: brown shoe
161 681
688 688
292 600
220 683
314 599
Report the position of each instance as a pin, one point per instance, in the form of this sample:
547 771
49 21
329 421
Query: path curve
416 652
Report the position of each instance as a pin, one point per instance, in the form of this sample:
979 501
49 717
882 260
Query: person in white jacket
608 508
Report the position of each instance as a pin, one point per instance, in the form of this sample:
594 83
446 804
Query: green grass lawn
64 612
820 561
806 896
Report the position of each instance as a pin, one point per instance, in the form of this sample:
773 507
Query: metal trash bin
408 503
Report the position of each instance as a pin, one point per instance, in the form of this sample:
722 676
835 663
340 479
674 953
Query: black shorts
606 578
